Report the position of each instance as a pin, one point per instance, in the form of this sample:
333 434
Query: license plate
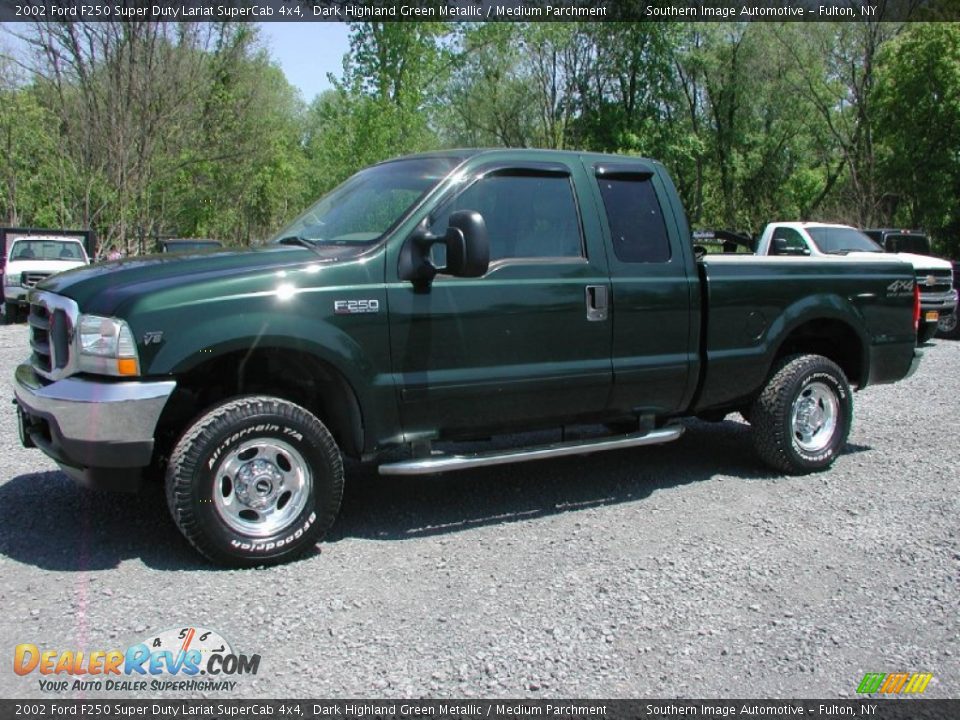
933 315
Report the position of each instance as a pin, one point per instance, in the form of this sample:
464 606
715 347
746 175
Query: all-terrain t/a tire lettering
802 418
255 481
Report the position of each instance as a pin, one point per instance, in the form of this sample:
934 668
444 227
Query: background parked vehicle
916 241
949 326
181 245
810 239
9 234
897 240
30 259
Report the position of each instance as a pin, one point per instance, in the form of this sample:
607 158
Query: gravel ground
681 570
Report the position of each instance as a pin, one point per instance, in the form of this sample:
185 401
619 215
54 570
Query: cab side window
527 216
793 239
637 229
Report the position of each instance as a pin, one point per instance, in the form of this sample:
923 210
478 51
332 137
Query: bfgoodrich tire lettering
255 481
802 418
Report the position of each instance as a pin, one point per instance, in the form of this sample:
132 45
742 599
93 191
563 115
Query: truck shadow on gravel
49 522
391 508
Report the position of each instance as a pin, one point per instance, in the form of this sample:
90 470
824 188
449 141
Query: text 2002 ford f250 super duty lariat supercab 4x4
442 297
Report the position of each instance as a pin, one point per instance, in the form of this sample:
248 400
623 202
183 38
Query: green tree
32 169
917 97
838 71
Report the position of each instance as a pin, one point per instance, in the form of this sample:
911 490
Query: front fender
174 339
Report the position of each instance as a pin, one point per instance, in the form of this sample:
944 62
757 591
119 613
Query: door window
527 216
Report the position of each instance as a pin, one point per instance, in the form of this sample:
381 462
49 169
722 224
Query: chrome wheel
261 487
813 419
948 323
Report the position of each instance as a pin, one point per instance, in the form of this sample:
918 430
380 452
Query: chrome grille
39 321
30 279
942 281
52 321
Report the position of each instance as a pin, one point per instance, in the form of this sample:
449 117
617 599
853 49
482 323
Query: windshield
841 240
368 205
37 249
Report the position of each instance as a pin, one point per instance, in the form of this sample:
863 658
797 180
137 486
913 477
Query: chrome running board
443 463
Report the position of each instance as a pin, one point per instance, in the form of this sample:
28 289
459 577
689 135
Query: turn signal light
127 366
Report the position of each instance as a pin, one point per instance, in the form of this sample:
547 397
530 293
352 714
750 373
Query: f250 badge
353 307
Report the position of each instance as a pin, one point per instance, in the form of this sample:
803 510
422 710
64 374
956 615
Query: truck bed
751 305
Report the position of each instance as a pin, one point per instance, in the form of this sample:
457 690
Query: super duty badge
352 307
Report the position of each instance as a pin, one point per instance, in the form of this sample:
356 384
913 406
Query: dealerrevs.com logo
183 659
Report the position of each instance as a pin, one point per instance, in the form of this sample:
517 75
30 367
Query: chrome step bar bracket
444 463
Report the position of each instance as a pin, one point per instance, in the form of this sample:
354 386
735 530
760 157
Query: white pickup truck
934 276
31 259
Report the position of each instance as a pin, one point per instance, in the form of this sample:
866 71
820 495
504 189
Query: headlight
106 346
12 280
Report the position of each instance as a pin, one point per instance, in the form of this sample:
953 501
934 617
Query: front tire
949 327
802 418
10 312
256 481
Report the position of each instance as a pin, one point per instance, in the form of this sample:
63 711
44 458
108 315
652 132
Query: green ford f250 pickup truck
441 297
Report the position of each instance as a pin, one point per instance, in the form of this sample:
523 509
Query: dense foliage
149 129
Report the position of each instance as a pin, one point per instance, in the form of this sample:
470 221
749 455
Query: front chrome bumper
16 294
88 426
945 302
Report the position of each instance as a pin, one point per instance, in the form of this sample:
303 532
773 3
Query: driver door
530 341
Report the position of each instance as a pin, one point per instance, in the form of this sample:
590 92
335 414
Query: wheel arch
832 337
292 374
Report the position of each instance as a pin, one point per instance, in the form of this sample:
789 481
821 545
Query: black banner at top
868 708
478 10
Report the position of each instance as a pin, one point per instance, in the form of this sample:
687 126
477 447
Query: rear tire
802 418
256 481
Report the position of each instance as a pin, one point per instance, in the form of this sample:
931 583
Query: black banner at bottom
873 708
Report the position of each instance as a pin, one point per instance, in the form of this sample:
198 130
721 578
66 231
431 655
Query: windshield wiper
301 241
839 252
297 240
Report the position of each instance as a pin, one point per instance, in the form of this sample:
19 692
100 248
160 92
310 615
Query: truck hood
919 262
103 287
15 267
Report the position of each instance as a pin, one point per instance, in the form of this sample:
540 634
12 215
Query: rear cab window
638 232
